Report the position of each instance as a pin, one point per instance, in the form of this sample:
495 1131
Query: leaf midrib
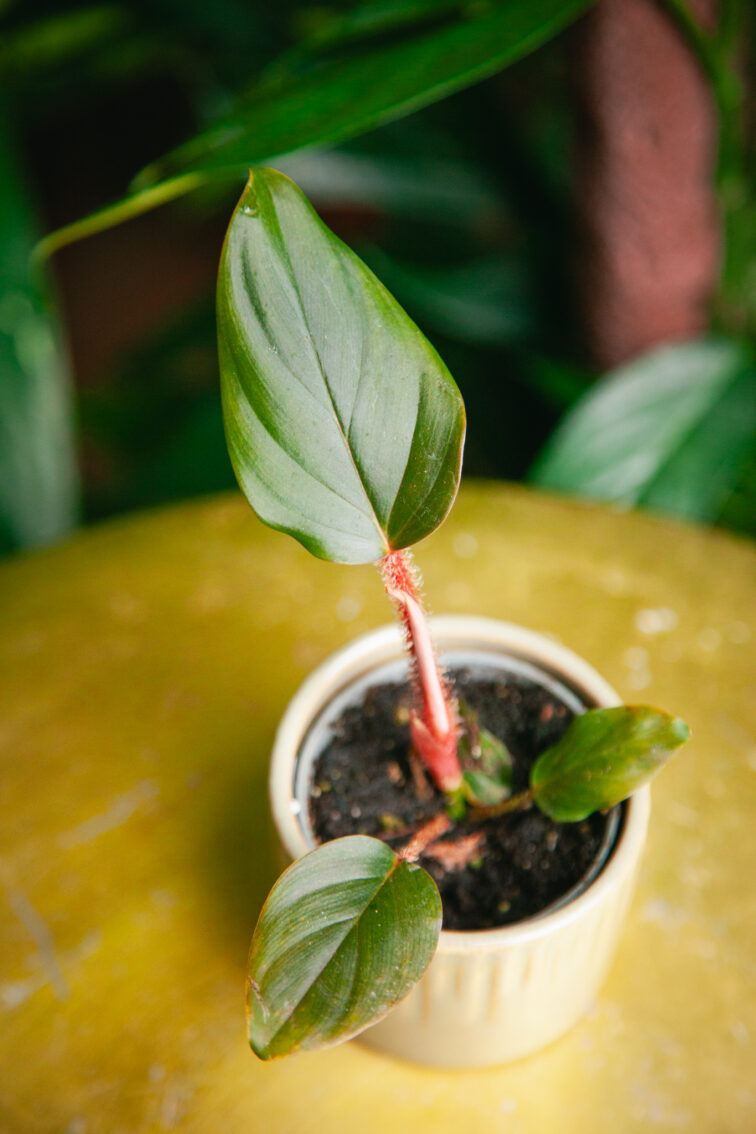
354 924
305 469
342 433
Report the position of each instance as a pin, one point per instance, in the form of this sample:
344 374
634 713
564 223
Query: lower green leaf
604 756
343 936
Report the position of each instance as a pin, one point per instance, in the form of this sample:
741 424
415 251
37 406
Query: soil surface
363 783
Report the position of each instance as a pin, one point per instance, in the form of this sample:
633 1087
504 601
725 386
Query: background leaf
38 475
367 20
415 185
352 93
671 430
309 99
344 427
488 300
604 756
344 935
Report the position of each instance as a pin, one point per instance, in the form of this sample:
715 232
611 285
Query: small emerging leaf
344 935
483 790
604 756
486 763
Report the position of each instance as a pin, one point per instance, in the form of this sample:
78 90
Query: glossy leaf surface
344 96
671 430
344 935
604 755
344 427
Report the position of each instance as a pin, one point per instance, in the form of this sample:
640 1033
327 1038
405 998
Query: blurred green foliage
38 477
455 190
671 430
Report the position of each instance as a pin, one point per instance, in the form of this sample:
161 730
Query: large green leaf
38 475
671 430
604 756
345 933
344 427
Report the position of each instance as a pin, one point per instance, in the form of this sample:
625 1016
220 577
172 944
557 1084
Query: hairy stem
433 721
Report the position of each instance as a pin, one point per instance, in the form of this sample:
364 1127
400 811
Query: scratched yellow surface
143 667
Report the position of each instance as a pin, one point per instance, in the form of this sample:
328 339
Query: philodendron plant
346 431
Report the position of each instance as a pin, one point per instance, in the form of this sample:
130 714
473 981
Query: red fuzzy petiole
433 722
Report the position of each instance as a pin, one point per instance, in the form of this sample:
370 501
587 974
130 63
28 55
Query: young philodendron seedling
346 430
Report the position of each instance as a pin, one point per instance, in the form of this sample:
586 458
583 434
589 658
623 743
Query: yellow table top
144 666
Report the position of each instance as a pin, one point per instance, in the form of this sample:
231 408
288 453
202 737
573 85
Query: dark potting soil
363 784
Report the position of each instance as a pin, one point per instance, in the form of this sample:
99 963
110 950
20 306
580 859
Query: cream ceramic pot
492 995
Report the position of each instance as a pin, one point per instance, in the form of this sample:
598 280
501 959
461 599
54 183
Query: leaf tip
260 1050
680 731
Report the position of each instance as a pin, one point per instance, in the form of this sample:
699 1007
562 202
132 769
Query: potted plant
496 780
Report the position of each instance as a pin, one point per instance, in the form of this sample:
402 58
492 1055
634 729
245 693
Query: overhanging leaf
350 94
604 756
333 99
344 935
344 427
671 430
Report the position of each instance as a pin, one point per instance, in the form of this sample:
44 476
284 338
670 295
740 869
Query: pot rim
461 631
